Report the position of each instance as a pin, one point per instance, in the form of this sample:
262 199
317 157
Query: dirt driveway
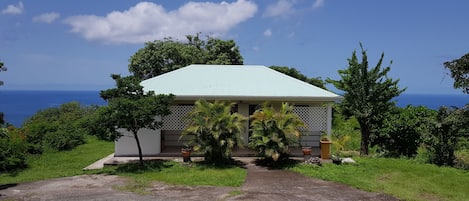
261 184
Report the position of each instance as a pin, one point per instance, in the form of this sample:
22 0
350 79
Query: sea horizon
18 105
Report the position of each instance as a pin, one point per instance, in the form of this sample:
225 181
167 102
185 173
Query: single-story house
246 85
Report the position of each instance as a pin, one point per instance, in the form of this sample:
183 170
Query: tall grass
405 179
53 164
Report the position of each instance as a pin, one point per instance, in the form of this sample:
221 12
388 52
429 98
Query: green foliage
402 178
459 69
98 125
57 128
345 133
444 135
404 129
273 131
292 72
368 95
130 107
13 150
214 130
166 55
54 164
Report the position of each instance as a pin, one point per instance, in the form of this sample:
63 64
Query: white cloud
14 9
280 9
147 21
268 32
318 3
46 17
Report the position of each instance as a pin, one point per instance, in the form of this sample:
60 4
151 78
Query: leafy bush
214 130
444 134
403 129
57 128
13 150
273 131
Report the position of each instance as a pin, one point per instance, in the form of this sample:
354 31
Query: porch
175 151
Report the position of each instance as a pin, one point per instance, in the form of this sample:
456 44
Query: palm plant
273 131
214 130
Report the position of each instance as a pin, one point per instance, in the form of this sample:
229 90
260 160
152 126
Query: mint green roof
235 82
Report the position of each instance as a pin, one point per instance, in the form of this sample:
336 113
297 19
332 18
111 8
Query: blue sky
76 45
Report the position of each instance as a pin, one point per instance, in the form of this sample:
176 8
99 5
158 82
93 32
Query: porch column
329 120
243 109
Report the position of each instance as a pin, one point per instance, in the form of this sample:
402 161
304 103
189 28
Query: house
246 85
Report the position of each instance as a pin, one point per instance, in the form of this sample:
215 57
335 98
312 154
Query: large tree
459 69
131 108
368 94
162 56
292 72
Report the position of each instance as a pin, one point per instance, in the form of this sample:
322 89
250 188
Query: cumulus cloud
147 21
268 32
318 3
46 17
14 9
281 8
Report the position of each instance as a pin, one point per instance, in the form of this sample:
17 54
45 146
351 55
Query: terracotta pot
307 150
186 154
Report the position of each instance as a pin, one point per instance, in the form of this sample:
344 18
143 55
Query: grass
402 178
60 164
177 173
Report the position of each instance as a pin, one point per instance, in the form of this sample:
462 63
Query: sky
76 45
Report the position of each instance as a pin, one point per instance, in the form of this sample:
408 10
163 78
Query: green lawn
172 172
60 164
404 179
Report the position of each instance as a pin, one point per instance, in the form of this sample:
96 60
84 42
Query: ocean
17 106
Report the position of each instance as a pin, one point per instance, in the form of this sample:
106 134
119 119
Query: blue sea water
17 106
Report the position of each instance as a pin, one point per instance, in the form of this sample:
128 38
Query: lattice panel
175 121
315 118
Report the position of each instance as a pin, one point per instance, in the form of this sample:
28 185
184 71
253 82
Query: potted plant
325 143
336 160
186 153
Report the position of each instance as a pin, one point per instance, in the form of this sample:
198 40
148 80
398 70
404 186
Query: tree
273 131
292 72
459 69
131 108
368 94
215 130
162 56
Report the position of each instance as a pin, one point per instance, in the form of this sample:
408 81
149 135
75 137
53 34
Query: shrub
57 128
214 130
13 150
402 131
273 131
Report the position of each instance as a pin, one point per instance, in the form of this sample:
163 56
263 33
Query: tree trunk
365 142
139 148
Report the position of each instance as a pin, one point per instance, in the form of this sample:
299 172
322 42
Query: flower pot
307 150
186 154
325 149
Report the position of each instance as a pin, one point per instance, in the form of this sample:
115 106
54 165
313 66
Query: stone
348 160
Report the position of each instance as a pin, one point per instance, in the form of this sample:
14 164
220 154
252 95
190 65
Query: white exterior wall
150 141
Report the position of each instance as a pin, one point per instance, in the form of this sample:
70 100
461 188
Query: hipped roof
235 82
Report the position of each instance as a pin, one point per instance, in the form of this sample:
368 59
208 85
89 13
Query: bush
273 131
13 151
402 131
57 128
214 130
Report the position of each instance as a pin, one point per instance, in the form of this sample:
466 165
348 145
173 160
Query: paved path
261 184
264 184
